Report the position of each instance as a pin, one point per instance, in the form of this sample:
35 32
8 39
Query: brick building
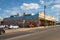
28 20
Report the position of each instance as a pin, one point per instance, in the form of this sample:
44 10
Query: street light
44 14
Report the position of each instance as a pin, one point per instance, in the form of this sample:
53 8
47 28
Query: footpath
25 29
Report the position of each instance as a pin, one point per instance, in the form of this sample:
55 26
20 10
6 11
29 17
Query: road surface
50 34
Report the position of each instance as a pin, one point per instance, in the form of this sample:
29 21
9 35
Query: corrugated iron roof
17 17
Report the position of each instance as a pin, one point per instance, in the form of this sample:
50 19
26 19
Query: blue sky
12 7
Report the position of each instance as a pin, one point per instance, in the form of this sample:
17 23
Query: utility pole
44 15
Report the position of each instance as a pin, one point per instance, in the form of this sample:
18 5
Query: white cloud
46 2
56 6
57 1
58 14
26 6
50 2
0 8
42 1
7 16
12 11
7 11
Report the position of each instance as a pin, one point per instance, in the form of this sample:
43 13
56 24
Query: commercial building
28 20
1 19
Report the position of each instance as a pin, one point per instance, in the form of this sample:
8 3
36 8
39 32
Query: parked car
2 31
13 26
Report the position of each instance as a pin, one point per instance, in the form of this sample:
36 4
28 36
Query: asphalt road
20 33
50 34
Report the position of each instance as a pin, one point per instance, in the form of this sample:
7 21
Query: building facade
1 19
28 20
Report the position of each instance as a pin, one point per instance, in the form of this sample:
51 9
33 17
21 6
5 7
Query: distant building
28 20
1 19
57 23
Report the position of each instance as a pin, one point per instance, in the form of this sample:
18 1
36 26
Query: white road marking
25 35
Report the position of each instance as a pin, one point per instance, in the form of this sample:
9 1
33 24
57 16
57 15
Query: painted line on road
25 35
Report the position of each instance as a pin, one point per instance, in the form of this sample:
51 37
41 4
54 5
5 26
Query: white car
2 26
11 26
